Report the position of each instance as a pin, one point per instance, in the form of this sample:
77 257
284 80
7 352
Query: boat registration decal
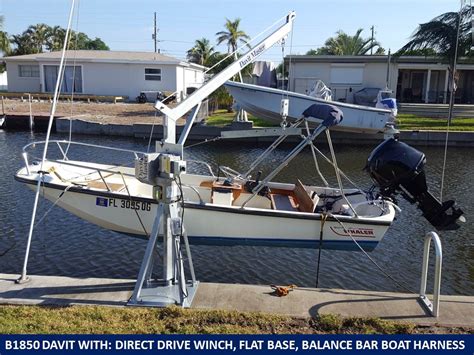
119 203
354 231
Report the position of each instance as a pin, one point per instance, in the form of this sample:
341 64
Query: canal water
65 245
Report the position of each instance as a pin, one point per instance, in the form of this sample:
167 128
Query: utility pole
155 37
372 40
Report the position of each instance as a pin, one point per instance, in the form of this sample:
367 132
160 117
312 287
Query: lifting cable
451 103
136 212
57 90
398 283
73 89
336 169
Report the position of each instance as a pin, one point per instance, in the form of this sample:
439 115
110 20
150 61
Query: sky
128 25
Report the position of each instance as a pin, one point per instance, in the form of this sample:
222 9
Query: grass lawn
116 320
404 122
412 122
222 117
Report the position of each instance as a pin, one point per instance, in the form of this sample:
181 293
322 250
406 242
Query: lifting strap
324 216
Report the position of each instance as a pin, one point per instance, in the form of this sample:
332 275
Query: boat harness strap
324 217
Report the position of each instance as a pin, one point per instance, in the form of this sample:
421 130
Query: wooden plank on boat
305 202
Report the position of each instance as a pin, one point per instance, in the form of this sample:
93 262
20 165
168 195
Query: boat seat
222 197
283 202
305 202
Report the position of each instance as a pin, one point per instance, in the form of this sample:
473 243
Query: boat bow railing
64 153
202 163
65 159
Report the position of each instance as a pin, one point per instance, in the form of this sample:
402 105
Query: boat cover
329 114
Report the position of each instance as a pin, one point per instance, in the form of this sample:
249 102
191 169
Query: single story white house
117 73
411 78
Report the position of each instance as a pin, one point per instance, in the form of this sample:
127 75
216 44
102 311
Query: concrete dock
302 302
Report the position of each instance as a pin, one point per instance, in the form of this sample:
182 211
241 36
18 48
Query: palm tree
4 40
233 36
344 44
55 38
39 35
440 34
201 53
23 44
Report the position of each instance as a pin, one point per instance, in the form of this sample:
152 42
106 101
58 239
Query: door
417 85
72 78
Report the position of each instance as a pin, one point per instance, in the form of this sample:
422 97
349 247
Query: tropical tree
201 53
4 40
55 38
423 52
440 34
38 34
344 44
23 44
42 37
233 36
96 44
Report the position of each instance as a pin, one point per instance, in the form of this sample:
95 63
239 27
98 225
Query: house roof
105 57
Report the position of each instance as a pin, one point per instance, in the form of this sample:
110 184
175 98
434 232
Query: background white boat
265 103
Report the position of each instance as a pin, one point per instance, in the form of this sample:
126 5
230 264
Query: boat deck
302 302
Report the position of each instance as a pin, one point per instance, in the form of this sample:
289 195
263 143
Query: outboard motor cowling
398 168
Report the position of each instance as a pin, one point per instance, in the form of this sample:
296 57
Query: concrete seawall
302 302
202 132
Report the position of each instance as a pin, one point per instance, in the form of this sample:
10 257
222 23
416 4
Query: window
29 71
347 74
153 74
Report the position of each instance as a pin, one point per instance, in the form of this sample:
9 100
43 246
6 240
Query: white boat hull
265 103
209 223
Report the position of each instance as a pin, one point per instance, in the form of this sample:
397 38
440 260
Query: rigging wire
151 132
398 283
41 172
336 169
451 104
73 89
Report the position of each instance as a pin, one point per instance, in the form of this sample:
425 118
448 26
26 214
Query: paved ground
302 302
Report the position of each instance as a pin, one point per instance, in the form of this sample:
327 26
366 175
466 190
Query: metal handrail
433 307
203 163
135 152
201 201
66 161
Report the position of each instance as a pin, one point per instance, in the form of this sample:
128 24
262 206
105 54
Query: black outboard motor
397 167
